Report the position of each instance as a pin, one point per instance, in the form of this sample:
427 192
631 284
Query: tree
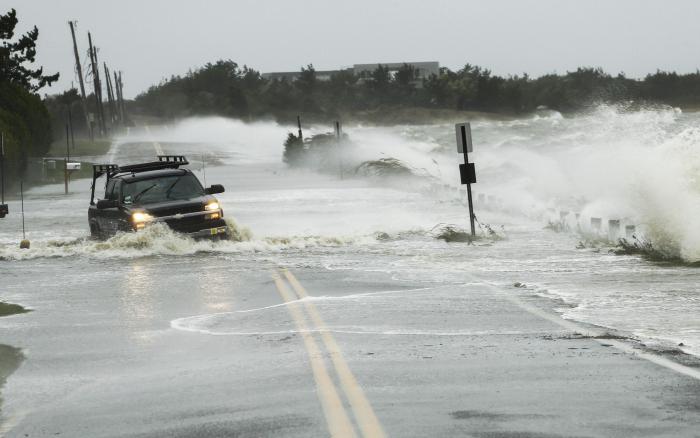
293 150
378 84
307 80
405 81
307 85
14 55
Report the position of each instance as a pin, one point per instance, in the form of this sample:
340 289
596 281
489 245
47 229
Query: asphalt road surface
318 325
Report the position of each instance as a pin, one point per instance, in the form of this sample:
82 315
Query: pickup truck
139 195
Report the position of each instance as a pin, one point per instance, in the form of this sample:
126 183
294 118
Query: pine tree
14 56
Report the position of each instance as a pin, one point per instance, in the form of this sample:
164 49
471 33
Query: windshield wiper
142 192
167 192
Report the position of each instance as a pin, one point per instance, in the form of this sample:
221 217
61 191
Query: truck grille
189 224
179 209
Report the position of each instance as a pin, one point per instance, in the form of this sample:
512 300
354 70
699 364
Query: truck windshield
166 188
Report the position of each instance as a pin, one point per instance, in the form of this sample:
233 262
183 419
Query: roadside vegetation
224 88
24 119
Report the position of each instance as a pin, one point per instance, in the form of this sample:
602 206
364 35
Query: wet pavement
338 313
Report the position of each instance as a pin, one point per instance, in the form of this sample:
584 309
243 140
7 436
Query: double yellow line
339 424
156 145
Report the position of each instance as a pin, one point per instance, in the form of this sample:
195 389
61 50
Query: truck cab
139 195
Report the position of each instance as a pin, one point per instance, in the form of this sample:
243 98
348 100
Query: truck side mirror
214 189
107 203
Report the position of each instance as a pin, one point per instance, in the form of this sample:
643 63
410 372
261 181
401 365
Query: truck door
109 218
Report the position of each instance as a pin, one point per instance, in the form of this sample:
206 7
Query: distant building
423 69
291 76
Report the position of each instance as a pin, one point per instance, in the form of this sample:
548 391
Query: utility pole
70 123
122 106
79 69
110 95
301 136
120 110
96 85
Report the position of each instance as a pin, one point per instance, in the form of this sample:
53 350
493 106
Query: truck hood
170 208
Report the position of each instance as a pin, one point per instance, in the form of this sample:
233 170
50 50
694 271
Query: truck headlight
214 207
140 217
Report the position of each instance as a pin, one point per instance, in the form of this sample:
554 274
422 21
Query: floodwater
639 167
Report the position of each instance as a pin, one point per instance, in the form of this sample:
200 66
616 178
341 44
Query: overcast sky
152 39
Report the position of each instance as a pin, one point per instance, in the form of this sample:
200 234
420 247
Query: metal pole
2 166
65 167
340 150
469 186
301 137
21 196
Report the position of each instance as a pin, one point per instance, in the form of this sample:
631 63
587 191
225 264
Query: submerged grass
7 309
453 233
635 246
646 249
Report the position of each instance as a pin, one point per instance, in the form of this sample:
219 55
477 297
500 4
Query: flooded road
339 308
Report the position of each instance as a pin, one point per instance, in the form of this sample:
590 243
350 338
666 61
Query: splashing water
639 167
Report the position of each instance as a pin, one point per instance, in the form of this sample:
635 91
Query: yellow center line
364 414
339 424
156 145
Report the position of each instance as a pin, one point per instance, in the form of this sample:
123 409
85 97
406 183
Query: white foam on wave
158 239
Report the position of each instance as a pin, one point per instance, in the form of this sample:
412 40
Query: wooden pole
70 123
115 100
120 87
96 85
118 97
79 69
99 88
110 96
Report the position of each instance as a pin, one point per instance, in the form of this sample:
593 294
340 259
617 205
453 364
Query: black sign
467 173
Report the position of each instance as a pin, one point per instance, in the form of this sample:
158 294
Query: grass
7 309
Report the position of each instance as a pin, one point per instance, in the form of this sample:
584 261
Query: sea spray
612 161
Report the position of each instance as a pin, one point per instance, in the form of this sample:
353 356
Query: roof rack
164 162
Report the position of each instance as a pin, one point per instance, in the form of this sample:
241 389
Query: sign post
467 171
340 149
